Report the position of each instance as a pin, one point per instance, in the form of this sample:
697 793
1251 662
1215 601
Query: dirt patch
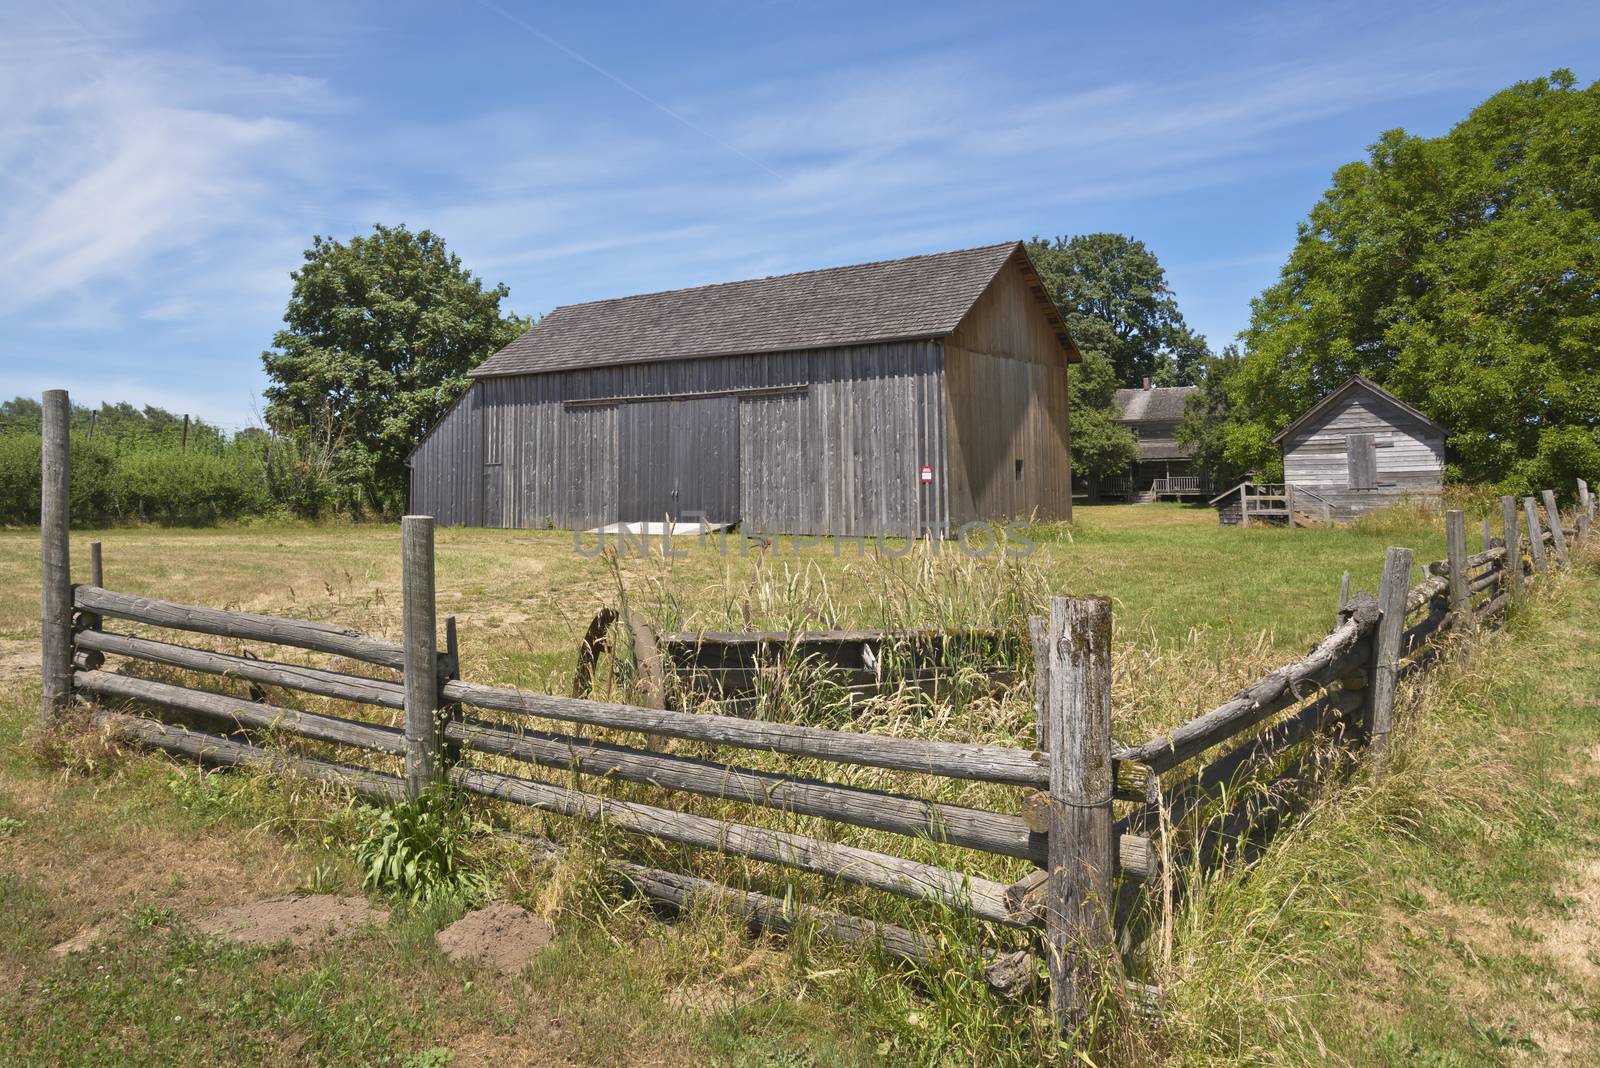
1574 941
19 660
81 942
503 936
300 921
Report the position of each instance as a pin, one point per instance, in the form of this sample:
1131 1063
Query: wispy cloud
157 188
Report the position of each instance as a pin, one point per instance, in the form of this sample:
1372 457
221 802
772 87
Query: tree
1113 294
1460 272
1209 421
380 334
1115 280
1100 445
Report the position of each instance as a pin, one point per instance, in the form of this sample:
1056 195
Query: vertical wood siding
841 457
1006 385
1405 457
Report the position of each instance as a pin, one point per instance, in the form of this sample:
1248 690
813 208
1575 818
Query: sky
164 165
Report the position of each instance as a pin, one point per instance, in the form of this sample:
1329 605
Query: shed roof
890 300
1161 404
1353 384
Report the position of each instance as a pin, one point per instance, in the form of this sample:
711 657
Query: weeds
421 849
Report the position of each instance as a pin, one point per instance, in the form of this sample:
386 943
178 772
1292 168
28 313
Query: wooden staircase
1274 503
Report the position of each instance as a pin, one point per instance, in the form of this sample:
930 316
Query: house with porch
1164 469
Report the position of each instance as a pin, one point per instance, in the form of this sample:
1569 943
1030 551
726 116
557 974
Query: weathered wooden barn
1361 448
894 398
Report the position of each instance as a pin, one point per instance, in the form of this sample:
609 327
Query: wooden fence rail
1182 784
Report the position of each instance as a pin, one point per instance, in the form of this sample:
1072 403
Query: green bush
139 479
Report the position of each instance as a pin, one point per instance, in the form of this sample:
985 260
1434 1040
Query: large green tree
1113 293
1461 272
379 335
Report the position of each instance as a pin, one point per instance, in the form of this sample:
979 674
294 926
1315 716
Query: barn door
1363 459
679 459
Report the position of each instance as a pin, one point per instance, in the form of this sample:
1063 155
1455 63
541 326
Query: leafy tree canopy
121 421
1462 273
1113 292
380 334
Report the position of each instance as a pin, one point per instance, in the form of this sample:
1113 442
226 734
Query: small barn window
1019 470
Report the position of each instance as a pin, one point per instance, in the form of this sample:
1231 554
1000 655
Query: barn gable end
1005 376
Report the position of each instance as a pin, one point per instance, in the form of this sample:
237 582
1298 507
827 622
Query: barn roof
1351 385
1162 404
890 300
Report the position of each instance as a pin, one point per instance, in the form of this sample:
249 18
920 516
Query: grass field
1184 588
1446 918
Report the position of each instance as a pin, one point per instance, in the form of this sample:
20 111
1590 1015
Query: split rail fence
1093 865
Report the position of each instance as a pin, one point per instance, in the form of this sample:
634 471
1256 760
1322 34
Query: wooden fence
1094 864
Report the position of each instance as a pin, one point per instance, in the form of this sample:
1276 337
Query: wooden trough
737 667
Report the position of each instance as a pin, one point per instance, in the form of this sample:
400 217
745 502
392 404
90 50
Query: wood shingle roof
890 300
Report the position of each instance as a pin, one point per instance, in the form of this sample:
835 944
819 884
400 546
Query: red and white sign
927 473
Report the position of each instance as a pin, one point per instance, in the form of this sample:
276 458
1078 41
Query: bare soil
502 935
300 921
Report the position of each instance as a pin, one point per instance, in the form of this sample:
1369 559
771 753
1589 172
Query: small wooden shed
903 397
1361 448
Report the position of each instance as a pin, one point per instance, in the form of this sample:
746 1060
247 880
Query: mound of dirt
300 921
503 936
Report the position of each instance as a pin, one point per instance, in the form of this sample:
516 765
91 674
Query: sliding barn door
679 460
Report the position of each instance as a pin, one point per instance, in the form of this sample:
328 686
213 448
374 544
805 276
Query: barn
901 397
1361 448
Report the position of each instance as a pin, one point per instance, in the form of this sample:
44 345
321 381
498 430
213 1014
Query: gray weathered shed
898 397
1361 448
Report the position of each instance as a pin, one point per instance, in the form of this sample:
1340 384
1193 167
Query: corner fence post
55 565
1513 540
1535 534
1455 537
1386 653
423 757
1557 536
1077 693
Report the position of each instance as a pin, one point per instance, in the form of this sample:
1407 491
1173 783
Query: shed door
1363 459
679 460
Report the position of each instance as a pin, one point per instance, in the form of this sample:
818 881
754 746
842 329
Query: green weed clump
421 850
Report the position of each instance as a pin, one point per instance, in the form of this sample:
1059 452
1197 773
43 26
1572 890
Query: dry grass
1201 611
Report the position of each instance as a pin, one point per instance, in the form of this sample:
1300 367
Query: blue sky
162 165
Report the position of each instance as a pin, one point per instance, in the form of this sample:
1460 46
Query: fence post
1039 638
1513 540
1557 536
1455 536
423 756
1535 534
1585 501
1386 653
1581 535
55 564
1078 904
1344 594
1488 533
